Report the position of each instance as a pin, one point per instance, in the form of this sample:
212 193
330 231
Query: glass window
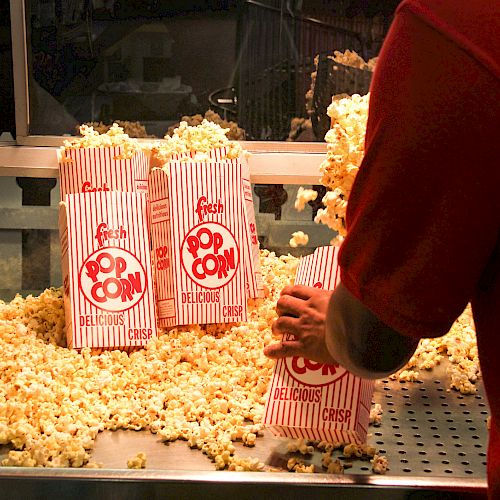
30 252
156 61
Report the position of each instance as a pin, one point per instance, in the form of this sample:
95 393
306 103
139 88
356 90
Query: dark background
64 67
7 118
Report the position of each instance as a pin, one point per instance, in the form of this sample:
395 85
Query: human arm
423 213
335 327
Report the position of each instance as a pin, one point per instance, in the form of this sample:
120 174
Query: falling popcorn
298 238
345 150
304 196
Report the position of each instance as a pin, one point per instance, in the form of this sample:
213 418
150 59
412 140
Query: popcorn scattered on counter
408 376
296 465
376 412
206 385
245 464
93 465
368 451
459 345
137 462
335 467
298 238
380 464
305 469
353 450
332 466
304 196
328 447
302 446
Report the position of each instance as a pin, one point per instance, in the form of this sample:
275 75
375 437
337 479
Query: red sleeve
424 213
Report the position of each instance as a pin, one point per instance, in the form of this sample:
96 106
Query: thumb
284 349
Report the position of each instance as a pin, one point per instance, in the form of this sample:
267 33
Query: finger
284 349
303 292
286 324
287 290
290 305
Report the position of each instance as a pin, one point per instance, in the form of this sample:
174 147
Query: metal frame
20 67
269 163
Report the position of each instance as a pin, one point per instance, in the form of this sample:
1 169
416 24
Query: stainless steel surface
268 163
429 431
434 439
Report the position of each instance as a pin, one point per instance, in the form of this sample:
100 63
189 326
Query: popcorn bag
198 234
253 272
106 266
312 400
251 252
84 170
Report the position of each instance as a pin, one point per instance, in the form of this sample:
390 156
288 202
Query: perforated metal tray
428 430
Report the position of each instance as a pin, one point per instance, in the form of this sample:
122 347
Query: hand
302 313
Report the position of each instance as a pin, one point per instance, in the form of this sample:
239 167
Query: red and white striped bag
107 275
83 170
99 170
197 233
250 247
312 400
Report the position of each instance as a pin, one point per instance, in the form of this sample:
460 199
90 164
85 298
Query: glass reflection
260 68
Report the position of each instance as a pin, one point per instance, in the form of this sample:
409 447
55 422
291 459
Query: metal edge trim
438 483
20 66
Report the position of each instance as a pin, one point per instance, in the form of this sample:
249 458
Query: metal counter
435 440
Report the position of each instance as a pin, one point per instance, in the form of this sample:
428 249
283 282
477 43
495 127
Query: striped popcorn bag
312 400
197 234
107 274
83 170
250 245
253 272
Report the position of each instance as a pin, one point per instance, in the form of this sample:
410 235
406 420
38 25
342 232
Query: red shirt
424 214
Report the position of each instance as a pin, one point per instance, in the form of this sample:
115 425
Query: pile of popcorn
459 346
234 132
202 384
132 129
114 137
202 139
205 385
